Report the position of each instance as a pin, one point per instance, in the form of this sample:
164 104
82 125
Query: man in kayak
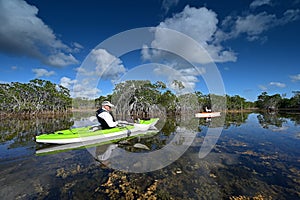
105 116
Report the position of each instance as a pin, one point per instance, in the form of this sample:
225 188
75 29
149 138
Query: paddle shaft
126 123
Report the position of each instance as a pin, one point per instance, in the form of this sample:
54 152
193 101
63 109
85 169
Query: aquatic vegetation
120 185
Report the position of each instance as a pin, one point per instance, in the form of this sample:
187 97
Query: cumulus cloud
262 87
23 33
77 47
39 72
200 24
289 16
187 76
99 65
102 64
258 3
67 82
254 25
61 59
78 89
205 30
192 39
107 65
272 84
295 78
167 4
277 84
13 67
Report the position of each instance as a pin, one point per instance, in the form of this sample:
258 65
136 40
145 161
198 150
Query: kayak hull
84 134
207 114
92 143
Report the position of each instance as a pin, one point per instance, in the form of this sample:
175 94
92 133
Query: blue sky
253 43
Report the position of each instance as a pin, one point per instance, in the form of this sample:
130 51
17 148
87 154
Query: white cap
107 103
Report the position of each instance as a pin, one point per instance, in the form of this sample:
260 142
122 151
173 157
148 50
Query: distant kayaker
105 116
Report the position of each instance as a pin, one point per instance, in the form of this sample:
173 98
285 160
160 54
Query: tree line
277 101
134 98
145 98
37 96
141 98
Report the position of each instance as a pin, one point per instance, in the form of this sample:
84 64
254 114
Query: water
257 155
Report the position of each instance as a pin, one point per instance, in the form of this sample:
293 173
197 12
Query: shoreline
76 110
34 115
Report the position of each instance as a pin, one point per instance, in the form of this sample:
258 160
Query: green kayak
86 134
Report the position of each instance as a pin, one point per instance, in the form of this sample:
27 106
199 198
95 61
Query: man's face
107 107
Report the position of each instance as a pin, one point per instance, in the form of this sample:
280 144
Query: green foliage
203 100
143 98
168 100
188 103
35 96
295 100
238 103
135 95
276 101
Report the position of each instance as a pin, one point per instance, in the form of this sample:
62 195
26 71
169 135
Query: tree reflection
268 119
235 119
20 132
292 116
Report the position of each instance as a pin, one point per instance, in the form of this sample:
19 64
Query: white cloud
107 66
198 23
254 25
289 16
204 29
146 53
61 59
192 39
187 76
226 68
23 33
99 65
39 72
82 90
77 45
258 3
295 78
67 82
79 89
167 4
274 84
262 87
14 67
277 84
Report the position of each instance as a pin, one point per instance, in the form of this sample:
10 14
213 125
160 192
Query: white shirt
108 118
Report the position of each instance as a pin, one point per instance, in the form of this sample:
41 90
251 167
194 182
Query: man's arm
108 118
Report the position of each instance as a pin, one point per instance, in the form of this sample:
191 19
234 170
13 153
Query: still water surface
256 156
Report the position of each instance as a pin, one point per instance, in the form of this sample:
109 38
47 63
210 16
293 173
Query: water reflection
236 119
256 156
145 154
268 119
